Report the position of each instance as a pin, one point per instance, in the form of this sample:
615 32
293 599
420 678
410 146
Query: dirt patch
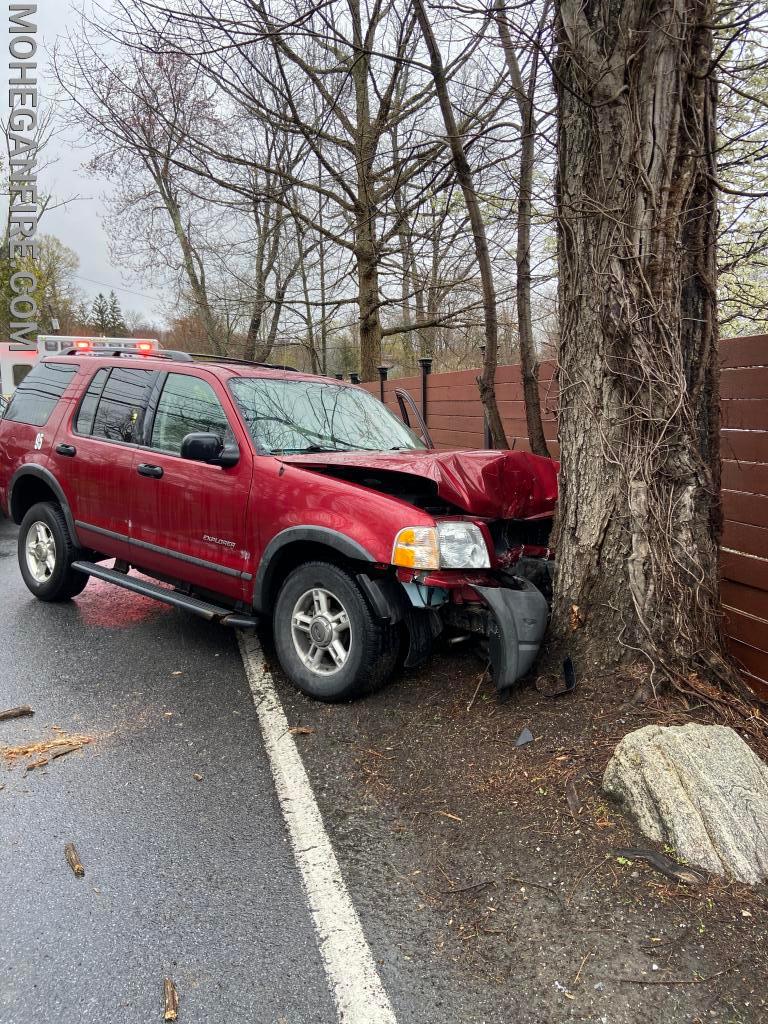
505 854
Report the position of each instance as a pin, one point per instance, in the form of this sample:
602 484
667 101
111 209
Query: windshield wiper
312 448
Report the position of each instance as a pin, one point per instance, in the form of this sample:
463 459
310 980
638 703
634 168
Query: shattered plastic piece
551 686
526 736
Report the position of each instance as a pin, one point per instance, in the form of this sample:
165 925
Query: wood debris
21 712
41 753
73 859
453 817
171 1000
301 730
573 797
58 751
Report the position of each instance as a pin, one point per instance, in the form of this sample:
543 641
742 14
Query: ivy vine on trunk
639 514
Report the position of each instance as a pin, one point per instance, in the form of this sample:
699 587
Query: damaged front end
505 609
482 569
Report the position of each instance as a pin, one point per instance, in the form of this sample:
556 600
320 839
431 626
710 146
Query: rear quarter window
39 392
20 371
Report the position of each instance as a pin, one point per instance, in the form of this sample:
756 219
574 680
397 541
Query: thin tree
525 97
486 382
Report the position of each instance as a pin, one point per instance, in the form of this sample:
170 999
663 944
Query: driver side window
187 405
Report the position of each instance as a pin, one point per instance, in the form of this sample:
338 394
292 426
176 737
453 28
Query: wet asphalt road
188 879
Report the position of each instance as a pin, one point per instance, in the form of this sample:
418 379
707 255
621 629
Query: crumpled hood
488 484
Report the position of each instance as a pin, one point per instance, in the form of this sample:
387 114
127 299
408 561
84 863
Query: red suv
251 491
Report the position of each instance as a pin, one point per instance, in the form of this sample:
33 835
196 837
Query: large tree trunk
639 483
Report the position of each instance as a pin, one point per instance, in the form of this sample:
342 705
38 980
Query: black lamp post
425 362
383 371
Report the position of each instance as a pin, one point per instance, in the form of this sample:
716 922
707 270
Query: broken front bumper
512 618
514 629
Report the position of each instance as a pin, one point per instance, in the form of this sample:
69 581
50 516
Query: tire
51 578
302 616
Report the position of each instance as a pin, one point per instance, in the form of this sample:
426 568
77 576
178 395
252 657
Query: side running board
212 612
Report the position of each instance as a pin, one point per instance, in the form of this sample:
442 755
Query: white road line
354 981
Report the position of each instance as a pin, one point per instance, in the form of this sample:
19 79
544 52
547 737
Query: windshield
294 416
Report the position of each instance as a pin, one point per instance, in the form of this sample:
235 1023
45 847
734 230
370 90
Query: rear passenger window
87 412
120 412
37 395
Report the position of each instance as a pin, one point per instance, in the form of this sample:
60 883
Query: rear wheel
328 641
46 553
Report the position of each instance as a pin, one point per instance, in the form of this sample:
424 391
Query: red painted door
189 519
96 449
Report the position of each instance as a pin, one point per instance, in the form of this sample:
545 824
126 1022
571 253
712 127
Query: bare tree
486 382
525 97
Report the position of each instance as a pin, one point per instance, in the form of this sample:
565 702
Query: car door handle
146 470
66 449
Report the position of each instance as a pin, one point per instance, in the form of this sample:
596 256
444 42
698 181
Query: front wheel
46 553
327 639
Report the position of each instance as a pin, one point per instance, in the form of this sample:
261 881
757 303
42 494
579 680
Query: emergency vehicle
17 360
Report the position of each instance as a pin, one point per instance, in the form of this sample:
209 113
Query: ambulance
17 360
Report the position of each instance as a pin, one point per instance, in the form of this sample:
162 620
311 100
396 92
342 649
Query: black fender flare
305 534
41 473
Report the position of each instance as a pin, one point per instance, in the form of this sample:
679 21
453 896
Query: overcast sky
79 224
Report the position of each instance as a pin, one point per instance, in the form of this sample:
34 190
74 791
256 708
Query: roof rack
205 357
125 353
175 357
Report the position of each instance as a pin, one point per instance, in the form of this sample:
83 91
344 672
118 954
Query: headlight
462 546
416 547
450 545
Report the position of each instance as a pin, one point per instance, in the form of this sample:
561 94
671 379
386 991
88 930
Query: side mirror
209 449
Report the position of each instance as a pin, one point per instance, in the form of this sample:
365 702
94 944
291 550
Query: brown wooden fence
455 419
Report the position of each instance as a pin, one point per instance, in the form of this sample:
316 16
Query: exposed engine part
538 571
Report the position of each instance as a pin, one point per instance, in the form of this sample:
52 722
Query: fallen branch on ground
171 997
21 712
73 859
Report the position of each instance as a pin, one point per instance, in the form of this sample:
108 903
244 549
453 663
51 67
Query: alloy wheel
320 631
40 552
